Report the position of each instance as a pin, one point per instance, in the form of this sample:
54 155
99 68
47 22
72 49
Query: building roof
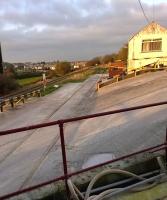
152 28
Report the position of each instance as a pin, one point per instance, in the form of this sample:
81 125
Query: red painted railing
61 123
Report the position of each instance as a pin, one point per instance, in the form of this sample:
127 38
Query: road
34 156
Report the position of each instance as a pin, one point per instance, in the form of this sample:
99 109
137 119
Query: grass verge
28 81
49 89
75 78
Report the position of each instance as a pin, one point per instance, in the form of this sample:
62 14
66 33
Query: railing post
63 149
12 102
1 105
97 86
166 148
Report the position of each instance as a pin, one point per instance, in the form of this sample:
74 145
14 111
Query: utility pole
1 61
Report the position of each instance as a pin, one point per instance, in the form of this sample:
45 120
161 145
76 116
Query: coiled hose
76 193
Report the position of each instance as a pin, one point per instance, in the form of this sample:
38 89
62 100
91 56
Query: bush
23 75
52 73
63 68
7 84
9 70
93 62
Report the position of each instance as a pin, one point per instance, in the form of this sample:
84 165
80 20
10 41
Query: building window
151 45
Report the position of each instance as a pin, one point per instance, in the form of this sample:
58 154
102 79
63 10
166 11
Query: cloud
33 30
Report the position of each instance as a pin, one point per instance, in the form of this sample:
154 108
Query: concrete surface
34 156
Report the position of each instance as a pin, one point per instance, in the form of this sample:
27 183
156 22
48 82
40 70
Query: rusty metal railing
61 123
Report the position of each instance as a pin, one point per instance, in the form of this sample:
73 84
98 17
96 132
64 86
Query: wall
138 59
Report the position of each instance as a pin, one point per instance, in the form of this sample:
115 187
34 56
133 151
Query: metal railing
30 89
61 124
134 73
24 93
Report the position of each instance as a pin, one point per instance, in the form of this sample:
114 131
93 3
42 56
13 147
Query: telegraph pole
1 61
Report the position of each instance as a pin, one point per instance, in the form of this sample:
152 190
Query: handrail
28 189
68 120
159 147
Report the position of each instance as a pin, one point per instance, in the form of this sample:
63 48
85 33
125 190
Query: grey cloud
69 29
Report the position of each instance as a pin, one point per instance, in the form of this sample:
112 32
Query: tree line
121 55
7 79
8 82
64 67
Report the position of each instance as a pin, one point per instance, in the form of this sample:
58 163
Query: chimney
1 62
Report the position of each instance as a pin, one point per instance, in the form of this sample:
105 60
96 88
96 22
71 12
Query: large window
152 45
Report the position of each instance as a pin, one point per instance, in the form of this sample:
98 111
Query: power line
1 61
148 21
153 10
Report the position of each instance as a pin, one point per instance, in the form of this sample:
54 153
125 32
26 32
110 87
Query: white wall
138 59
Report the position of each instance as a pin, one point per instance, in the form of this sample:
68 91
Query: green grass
49 89
100 70
76 78
28 81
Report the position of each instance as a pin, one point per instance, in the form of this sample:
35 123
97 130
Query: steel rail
28 189
19 192
114 112
40 86
118 159
68 120
30 89
60 123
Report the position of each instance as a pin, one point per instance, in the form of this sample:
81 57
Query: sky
47 30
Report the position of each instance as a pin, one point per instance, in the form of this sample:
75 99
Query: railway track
23 140
26 90
24 93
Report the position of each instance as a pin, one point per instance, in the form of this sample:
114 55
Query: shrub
7 84
23 75
63 68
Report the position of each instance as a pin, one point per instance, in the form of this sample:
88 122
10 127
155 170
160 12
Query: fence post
12 102
63 149
97 86
1 107
2 103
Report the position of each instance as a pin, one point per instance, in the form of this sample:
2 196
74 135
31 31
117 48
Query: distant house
148 48
78 64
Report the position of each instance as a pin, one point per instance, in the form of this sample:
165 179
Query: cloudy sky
35 30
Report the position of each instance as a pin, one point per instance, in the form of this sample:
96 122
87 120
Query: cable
153 10
105 172
148 21
72 190
76 193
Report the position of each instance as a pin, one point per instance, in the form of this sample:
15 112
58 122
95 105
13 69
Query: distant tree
93 62
63 68
51 73
7 84
109 58
123 53
9 70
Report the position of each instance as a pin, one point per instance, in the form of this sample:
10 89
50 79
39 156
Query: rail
22 94
40 86
60 123
120 76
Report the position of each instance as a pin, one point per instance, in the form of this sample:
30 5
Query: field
28 81
75 78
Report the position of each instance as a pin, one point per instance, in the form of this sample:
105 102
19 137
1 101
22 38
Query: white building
148 48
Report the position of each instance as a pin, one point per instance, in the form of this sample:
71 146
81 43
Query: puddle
97 159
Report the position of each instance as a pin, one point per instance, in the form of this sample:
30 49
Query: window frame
151 45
